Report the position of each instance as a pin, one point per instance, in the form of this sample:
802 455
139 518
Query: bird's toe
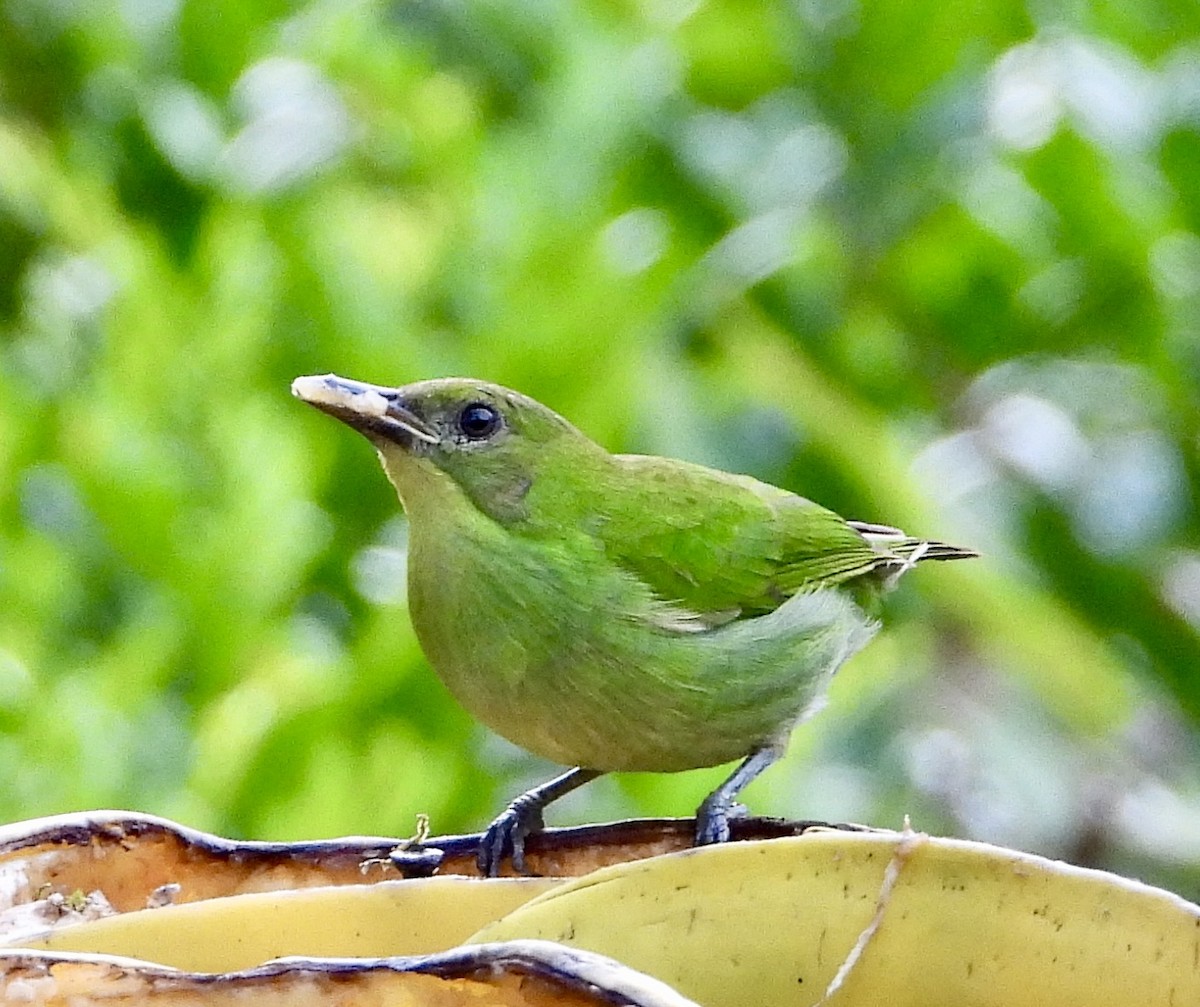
506 836
712 824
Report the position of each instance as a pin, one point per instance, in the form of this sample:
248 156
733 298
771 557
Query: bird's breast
557 649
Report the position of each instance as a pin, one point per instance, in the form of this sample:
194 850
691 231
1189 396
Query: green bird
614 612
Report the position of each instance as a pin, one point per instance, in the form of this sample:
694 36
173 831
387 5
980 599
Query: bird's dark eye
478 421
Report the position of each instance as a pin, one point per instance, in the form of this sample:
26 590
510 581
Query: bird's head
493 444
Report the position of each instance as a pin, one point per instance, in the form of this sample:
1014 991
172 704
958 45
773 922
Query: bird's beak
370 409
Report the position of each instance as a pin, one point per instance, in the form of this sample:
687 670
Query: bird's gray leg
712 817
524 815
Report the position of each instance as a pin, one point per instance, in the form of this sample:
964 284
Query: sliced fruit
898 919
515 974
417 916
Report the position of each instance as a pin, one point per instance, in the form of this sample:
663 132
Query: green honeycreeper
614 612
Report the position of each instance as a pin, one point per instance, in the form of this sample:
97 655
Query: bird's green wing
723 545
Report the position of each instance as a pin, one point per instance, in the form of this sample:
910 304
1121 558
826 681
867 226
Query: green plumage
719 543
615 612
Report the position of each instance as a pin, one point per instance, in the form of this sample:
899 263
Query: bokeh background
932 264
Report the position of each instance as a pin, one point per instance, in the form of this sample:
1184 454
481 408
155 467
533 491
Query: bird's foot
507 835
712 820
712 817
508 832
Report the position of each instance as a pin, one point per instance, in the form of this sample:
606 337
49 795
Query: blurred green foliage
930 264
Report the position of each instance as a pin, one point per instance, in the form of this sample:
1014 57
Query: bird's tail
900 551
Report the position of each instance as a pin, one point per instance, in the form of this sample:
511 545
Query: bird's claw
507 835
712 826
712 821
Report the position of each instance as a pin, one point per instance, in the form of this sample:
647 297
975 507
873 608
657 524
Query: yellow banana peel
829 918
512 974
901 919
412 917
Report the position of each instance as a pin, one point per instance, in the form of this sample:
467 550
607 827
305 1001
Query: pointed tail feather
933 550
905 548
